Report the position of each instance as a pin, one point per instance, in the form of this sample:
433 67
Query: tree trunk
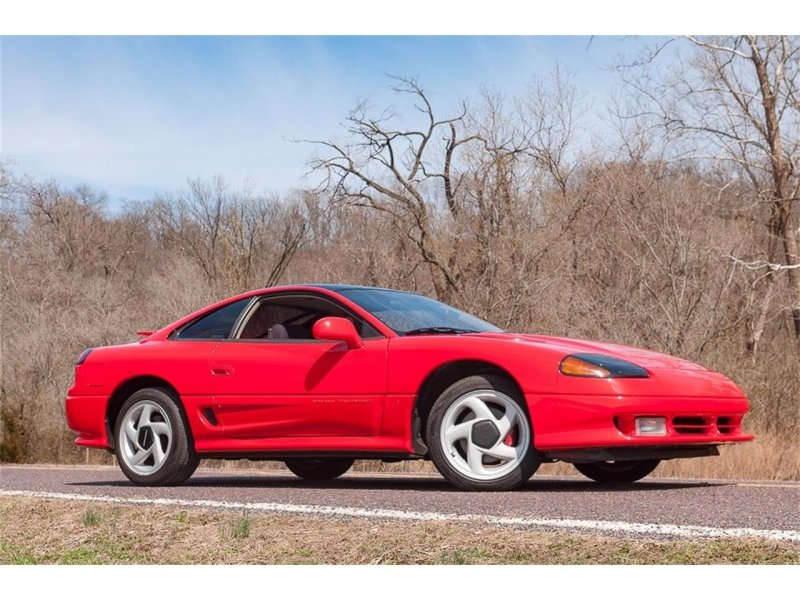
782 219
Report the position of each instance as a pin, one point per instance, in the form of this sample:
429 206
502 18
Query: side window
367 331
269 320
216 325
293 318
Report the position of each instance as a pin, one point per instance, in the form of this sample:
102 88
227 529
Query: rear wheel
617 471
152 440
480 436
319 469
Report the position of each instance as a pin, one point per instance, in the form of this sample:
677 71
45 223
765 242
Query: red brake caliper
511 438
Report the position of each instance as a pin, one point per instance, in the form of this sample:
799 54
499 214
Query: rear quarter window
216 325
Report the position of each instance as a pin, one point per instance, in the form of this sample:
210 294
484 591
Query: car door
185 359
273 381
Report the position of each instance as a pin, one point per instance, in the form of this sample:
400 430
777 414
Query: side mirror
337 329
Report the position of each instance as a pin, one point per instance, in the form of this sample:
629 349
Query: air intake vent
208 413
727 425
691 425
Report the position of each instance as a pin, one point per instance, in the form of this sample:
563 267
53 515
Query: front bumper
572 422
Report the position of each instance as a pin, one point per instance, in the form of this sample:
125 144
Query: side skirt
386 457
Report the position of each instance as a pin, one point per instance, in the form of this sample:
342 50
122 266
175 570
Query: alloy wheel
146 437
485 435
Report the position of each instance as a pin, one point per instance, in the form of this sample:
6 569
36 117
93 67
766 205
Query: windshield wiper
445 330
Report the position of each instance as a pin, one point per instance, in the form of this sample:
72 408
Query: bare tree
237 240
552 112
400 171
463 188
734 100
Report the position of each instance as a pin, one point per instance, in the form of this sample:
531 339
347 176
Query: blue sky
138 115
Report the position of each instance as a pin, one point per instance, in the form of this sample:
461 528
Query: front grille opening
691 425
727 425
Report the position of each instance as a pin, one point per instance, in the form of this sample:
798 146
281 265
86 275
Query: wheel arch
130 386
438 380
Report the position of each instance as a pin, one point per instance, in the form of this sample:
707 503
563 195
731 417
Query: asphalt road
544 501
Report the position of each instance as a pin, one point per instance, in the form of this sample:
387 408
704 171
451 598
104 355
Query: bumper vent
706 424
728 425
691 425
710 426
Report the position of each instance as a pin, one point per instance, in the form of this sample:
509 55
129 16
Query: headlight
599 365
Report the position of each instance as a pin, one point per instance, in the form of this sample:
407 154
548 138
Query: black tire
319 469
180 460
525 465
621 471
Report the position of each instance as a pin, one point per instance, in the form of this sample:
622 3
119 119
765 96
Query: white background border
495 17
376 17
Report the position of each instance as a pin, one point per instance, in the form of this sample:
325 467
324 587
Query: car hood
644 358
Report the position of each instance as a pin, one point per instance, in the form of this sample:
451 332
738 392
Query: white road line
688 531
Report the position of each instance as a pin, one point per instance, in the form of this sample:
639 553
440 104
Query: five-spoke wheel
480 436
152 443
146 437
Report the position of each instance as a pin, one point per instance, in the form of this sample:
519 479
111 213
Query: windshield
407 313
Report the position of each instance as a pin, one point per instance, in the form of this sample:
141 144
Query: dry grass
768 457
49 531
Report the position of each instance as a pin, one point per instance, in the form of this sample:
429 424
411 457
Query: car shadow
416 483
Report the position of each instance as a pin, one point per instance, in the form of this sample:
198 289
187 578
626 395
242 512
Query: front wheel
617 471
152 440
480 436
319 469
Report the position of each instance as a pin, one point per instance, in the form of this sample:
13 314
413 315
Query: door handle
221 370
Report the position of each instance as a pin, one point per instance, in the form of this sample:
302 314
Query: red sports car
321 375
